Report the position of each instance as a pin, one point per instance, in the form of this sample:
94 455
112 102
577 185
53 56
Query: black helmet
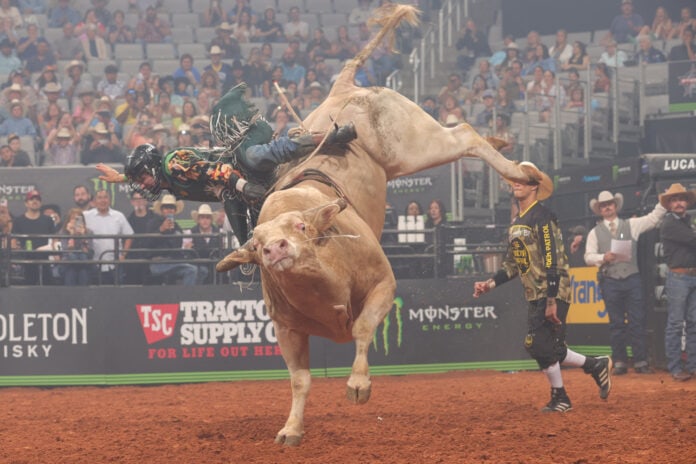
145 159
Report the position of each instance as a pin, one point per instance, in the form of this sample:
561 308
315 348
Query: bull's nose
276 250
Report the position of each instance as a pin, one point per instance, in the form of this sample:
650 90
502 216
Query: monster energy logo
386 324
98 184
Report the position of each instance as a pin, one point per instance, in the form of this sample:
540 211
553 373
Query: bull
323 271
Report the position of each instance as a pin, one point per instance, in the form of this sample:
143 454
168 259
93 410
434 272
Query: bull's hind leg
295 349
376 307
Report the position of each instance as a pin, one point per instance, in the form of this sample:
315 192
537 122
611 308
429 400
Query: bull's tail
388 17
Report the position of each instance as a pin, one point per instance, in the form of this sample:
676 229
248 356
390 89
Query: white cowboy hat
203 210
167 200
605 196
674 190
536 175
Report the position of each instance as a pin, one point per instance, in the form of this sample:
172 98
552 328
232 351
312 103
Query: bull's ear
244 254
497 143
322 217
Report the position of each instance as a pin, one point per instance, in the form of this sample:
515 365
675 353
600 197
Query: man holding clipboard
611 246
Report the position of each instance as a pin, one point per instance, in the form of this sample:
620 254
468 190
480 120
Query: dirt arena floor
459 417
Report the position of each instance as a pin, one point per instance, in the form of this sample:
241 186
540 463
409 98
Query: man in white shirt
103 220
619 278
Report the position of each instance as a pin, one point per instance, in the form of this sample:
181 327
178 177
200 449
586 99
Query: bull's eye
301 227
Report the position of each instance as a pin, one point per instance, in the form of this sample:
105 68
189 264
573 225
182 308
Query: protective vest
623 232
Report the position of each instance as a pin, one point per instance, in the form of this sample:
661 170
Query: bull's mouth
282 264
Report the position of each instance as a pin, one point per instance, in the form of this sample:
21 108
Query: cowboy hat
52 87
100 128
203 210
215 50
603 197
225 26
168 200
452 120
534 174
674 190
74 63
14 88
159 127
64 133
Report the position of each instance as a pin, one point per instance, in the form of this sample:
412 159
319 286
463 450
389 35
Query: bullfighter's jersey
536 253
196 172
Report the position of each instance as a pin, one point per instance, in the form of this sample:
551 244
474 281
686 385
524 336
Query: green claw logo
399 304
98 184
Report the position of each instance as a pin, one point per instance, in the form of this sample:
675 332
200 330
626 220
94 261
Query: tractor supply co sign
208 329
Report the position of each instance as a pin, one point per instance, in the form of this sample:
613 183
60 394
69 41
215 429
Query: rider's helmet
145 159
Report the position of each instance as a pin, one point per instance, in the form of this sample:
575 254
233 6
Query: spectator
686 21
188 112
478 87
647 53
227 43
344 47
241 6
84 108
456 89
626 26
541 58
661 28
90 18
267 54
573 80
101 12
429 105
48 119
32 222
48 74
76 248
576 246
485 71
576 102
437 214
501 130
242 29
472 44
256 72
209 86
512 53
314 95
126 112
319 45
29 7
10 159
206 247
93 45
222 69
295 27
68 47
103 113
152 28
43 57
17 123
138 219
268 29
27 46
613 57
301 56
268 87
110 85
82 197
164 112
65 121
53 211
484 116
551 93
8 59
104 220
361 14
561 51
679 245
579 60
213 15
119 31
292 72
63 13
503 102
139 133
512 80
686 50
13 92
451 111
62 151
160 137
533 40
602 82
183 87
281 123
187 69
536 87
619 279
75 71
166 246
323 71
184 138
102 146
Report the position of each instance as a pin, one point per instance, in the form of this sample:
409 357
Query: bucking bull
317 240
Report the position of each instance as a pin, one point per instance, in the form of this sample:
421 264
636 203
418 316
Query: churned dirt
459 417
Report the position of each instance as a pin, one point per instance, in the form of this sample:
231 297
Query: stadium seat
196 50
125 51
165 67
52 34
130 67
176 7
183 34
185 19
261 5
160 51
333 20
205 35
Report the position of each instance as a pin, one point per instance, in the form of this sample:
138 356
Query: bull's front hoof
358 395
288 440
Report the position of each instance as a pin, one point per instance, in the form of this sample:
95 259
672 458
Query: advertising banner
587 306
422 187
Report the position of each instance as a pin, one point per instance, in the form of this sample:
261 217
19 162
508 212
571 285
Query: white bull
317 243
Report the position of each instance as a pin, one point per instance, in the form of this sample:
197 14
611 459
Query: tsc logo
158 321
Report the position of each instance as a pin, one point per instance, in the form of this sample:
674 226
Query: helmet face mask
145 159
